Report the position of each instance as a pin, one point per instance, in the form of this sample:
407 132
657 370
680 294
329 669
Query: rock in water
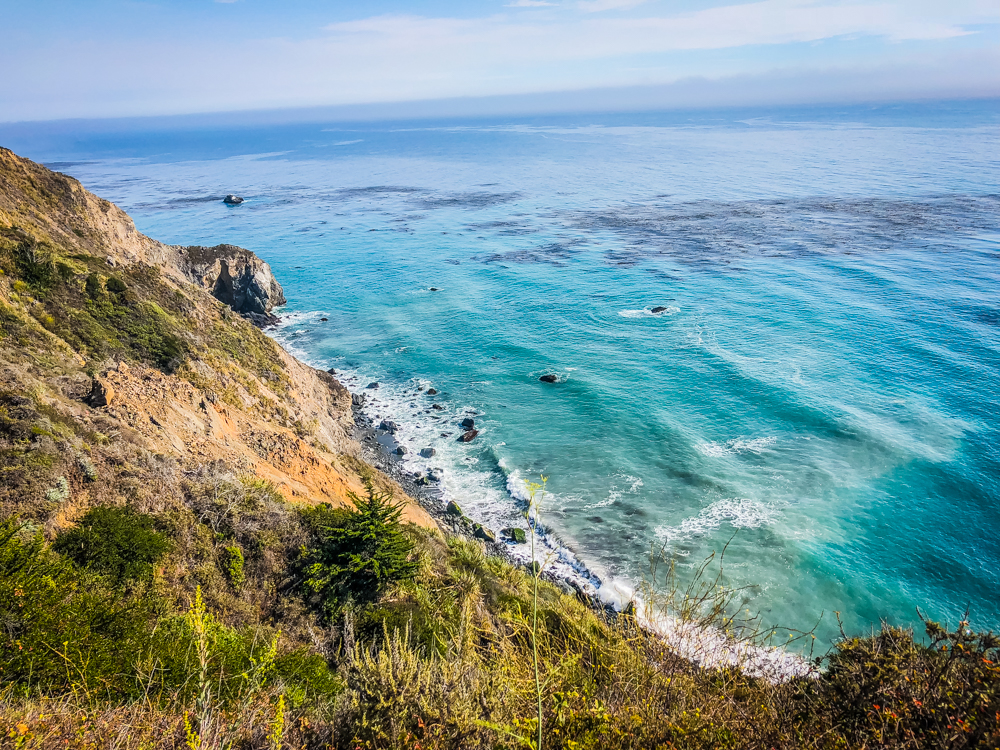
432 391
469 423
658 310
468 436
236 277
400 451
373 386
515 534
437 407
549 378
389 426
232 200
427 452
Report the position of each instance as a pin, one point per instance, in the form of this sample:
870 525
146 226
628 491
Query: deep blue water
823 383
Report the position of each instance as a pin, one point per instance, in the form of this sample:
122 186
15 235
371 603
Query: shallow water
821 389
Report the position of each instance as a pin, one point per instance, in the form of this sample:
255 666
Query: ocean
820 392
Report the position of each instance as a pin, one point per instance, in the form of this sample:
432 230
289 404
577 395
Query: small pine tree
362 555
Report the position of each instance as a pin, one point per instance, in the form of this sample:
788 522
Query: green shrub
114 541
359 555
92 286
60 631
115 285
233 565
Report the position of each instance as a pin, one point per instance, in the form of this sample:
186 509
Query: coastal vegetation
160 592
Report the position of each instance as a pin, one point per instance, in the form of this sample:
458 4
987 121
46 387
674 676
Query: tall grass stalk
536 493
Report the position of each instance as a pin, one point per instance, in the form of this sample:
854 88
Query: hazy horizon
117 59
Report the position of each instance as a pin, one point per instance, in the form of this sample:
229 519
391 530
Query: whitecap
740 513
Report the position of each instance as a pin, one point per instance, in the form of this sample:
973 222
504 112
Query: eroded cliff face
235 277
120 355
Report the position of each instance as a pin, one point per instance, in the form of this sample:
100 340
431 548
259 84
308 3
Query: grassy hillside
192 554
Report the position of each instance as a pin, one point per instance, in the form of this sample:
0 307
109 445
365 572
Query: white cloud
529 4
597 6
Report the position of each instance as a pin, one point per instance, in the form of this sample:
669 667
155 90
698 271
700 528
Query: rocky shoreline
430 497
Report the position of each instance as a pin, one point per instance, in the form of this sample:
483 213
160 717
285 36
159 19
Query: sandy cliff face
126 342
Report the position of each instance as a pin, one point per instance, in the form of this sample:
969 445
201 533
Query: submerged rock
232 200
549 378
437 407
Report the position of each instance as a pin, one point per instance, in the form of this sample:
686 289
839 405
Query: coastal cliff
109 327
195 553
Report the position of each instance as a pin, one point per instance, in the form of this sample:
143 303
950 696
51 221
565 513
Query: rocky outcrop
236 277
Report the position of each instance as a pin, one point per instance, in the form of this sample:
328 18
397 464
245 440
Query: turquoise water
823 383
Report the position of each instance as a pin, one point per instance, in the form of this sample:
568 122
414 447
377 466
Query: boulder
481 532
323 320
373 385
515 534
437 407
453 509
432 391
658 310
427 452
235 276
102 393
232 200
400 450
468 436
549 378
331 371
358 399
389 426
469 423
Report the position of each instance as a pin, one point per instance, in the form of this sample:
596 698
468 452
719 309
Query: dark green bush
92 286
115 285
114 541
358 554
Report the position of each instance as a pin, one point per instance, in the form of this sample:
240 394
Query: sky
125 58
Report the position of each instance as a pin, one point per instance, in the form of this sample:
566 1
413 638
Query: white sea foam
645 313
713 449
740 513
